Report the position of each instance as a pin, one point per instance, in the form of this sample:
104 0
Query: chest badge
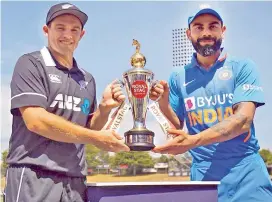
83 84
224 74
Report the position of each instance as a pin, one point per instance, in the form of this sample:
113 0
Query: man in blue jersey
216 95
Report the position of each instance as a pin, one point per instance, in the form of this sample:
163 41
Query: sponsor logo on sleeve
247 87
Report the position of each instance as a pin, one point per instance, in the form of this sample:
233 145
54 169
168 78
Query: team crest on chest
224 73
83 84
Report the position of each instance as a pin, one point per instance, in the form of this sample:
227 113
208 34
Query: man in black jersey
53 103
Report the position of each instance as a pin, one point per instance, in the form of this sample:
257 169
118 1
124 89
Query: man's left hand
181 143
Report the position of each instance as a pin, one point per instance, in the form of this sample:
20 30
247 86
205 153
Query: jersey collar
220 59
51 62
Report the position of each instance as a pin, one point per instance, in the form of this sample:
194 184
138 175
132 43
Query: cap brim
205 11
79 14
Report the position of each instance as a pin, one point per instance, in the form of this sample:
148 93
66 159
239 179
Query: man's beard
207 50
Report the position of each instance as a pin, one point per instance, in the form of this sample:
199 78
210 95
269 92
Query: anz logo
72 103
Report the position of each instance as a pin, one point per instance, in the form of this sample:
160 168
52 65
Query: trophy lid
137 60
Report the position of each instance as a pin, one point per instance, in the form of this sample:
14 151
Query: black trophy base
139 140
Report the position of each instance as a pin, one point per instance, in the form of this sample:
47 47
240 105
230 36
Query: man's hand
113 96
181 143
57 128
110 141
160 89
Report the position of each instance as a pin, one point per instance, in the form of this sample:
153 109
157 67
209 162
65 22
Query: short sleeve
93 106
27 88
175 98
248 86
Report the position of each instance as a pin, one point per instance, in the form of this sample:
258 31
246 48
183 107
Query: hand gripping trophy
138 82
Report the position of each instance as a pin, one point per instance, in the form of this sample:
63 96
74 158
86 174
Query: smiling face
206 34
64 33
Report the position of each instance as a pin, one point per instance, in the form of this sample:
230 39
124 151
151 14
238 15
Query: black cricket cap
66 8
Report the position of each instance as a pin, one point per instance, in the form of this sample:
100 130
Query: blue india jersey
202 98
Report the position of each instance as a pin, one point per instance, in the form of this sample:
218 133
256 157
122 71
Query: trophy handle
153 84
161 119
118 115
121 83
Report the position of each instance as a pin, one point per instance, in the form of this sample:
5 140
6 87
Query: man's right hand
110 141
56 128
160 89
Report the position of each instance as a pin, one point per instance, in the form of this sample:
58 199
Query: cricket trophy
138 81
